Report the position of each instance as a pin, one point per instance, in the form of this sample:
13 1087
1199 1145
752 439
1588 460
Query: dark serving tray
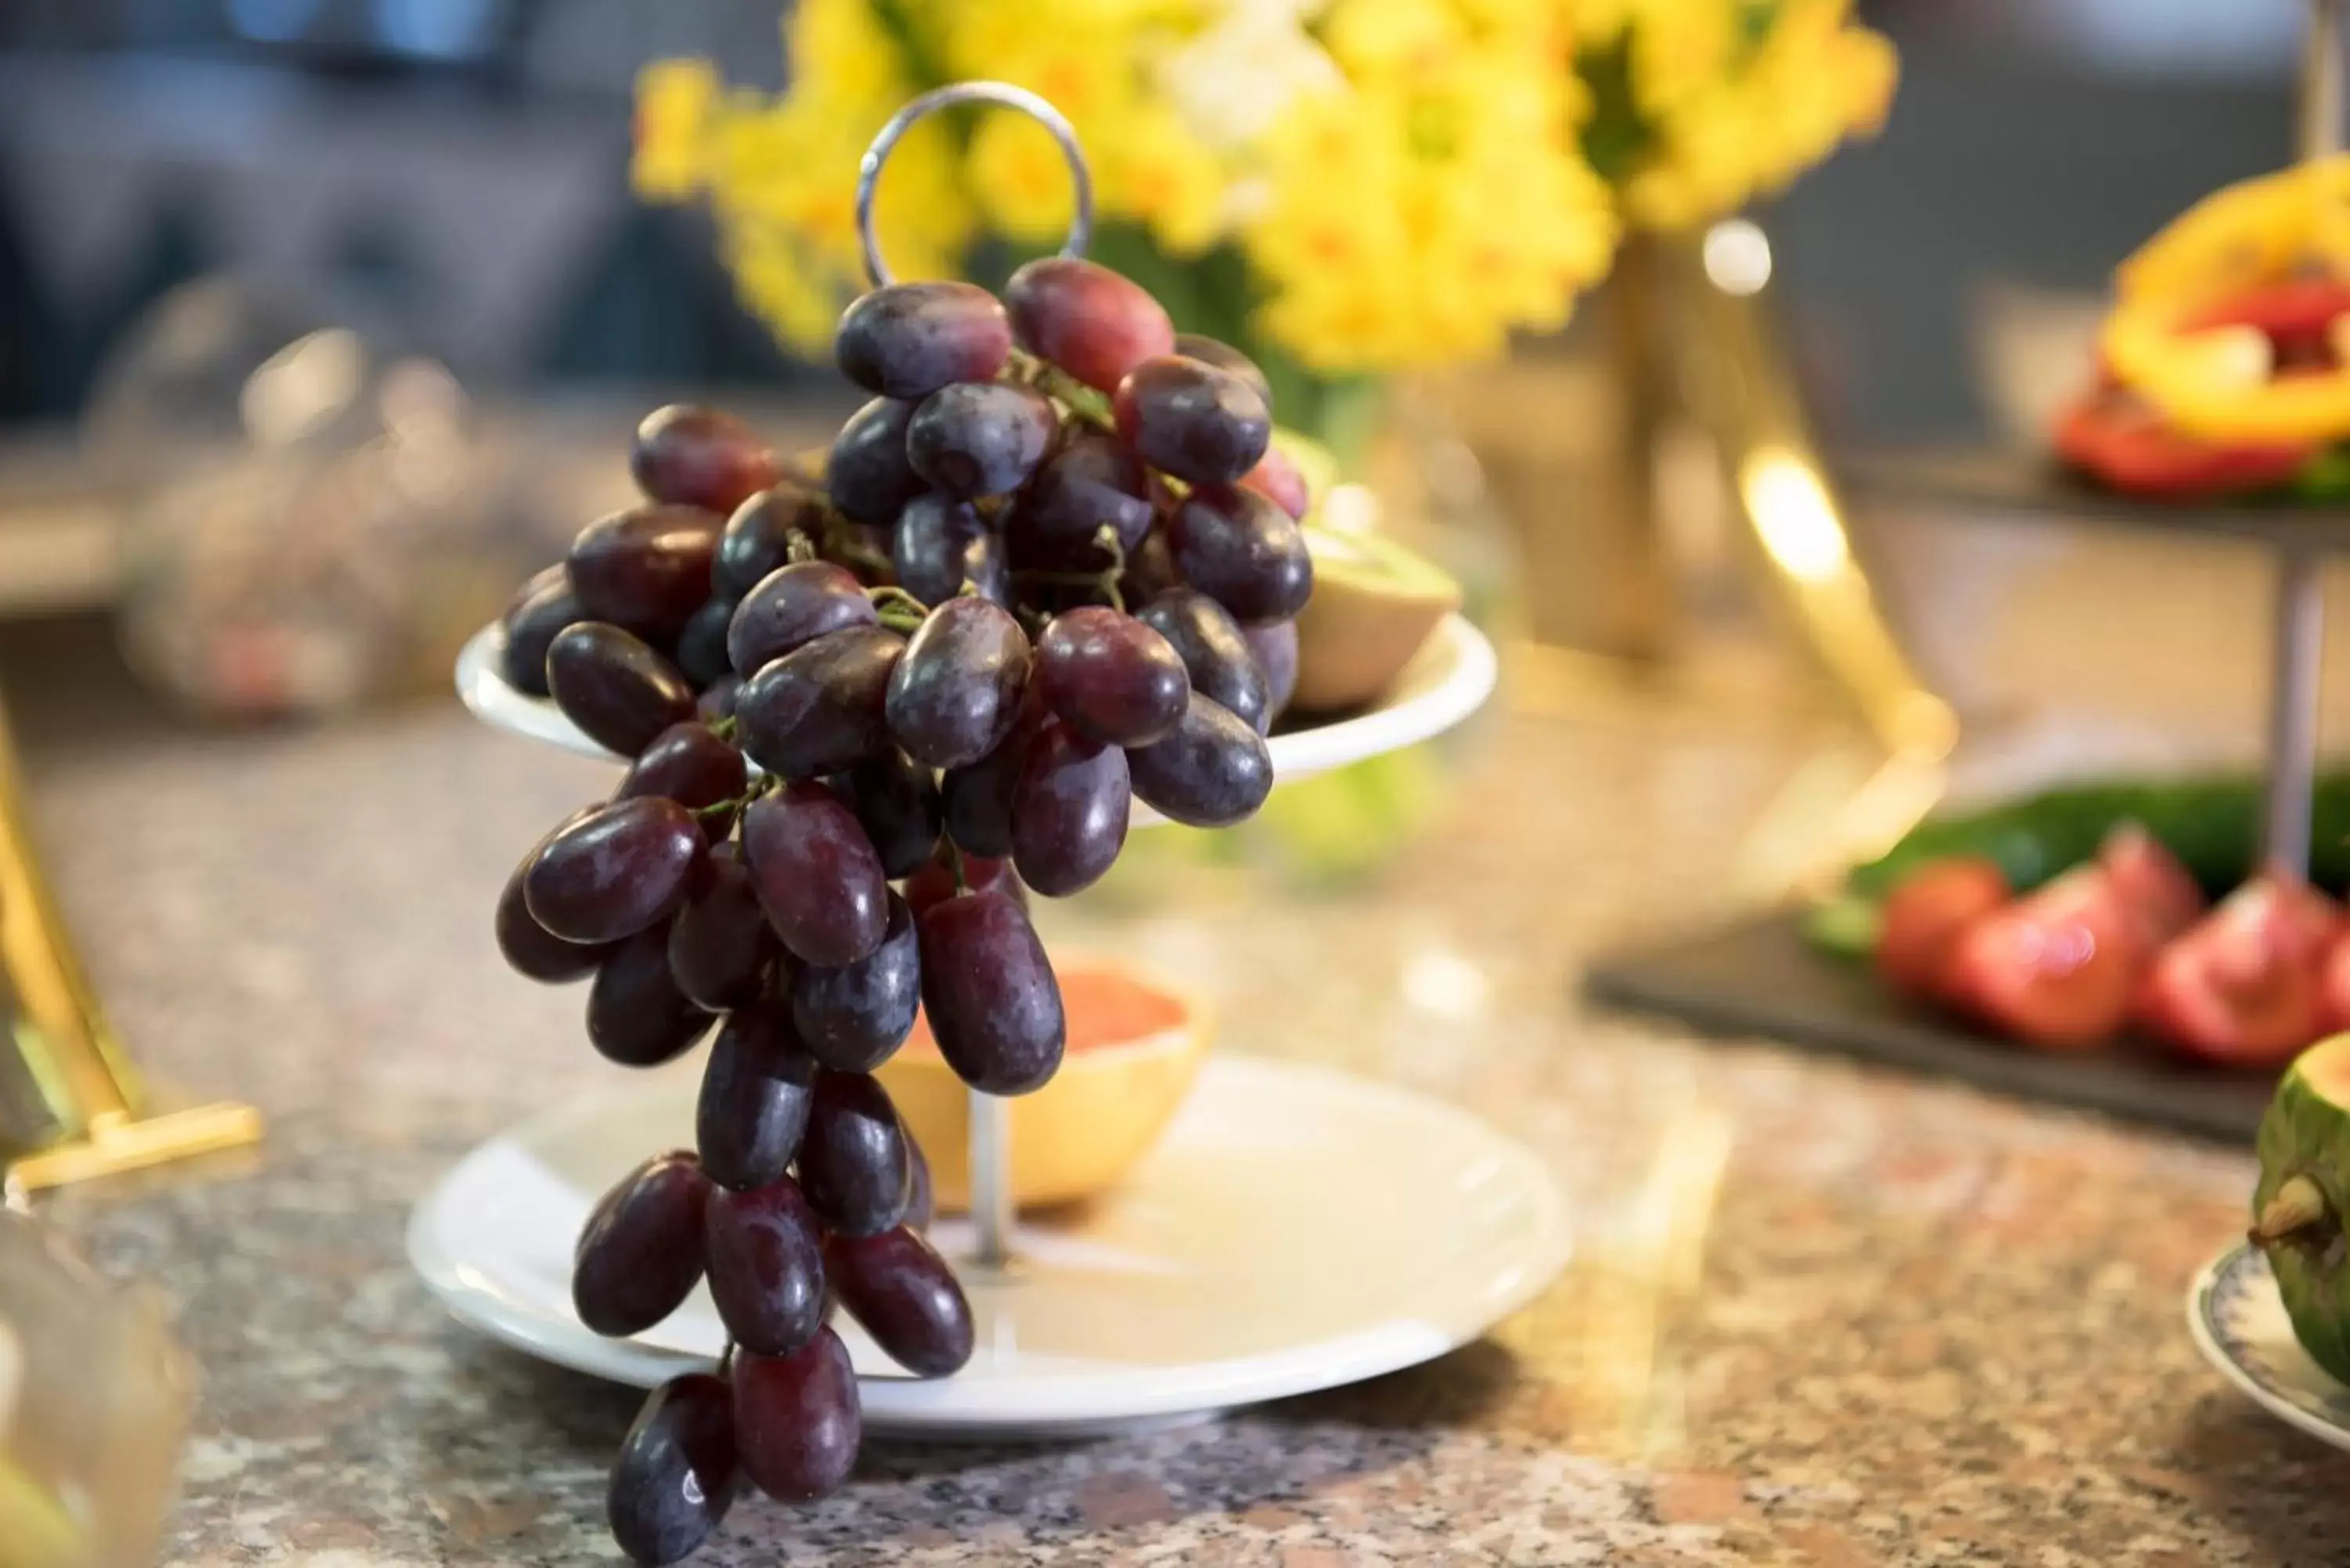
1761 976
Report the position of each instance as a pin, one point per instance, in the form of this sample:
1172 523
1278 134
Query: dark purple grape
617 690
692 766
897 803
977 799
1150 570
639 1255
934 884
853 1166
722 951
544 607
1088 483
701 457
766 1265
614 871
1110 677
702 644
1274 646
1214 649
939 543
1086 320
980 438
717 702
1212 771
755 1091
908 339
956 694
990 994
637 1016
1070 812
852 1018
647 569
921 1197
820 707
1227 358
793 605
868 475
530 949
757 539
817 875
1278 479
675 1477
1201 424
903 1292
1241 551
797 1423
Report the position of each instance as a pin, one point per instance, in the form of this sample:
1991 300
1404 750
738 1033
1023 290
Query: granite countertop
1821 1315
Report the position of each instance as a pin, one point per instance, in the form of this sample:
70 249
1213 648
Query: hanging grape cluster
1050 568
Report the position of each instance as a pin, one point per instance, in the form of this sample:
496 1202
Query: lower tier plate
2239 1323
1296 1229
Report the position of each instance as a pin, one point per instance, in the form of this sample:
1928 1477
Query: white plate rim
1047 1402
2202 1326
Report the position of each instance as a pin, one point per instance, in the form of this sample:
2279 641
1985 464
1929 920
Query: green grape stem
1082 402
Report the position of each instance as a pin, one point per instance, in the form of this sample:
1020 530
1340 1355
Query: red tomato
2296 314
2242 987
2056 967
2125 445
1926 914
2334 988
2152 886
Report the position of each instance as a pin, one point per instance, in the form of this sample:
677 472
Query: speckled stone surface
1822 1315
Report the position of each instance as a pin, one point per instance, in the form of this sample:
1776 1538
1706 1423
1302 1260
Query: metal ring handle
868 168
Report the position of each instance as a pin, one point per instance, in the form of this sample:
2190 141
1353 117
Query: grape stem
2296 1205
841 544
1104 582
1081 400
723 726
954 864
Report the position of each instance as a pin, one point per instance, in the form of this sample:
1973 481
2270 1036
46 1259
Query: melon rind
2306 1132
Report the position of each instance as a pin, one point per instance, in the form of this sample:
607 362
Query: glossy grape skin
646 568
689 764
896 800
529 948
797 1423
908 339
717 699
701 643
817 874
617 690
868 475
1088 483
934 884
990 992
1070 812
757 539
614 871
1279 481
853 1166
921 1195
544 607
1241 551
755 1092
905 1296
765 1256
676 1475
1274 645
956 694
722 951
941 543
1212 771
980 438
819 709
702 457
1192 421
637 1016
793 605
1088 320
1110 677
977 799
1222 355
1150 570
640 1255
1215 652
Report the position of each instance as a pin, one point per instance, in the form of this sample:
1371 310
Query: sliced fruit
2297 1207
1925 916
1374 604
2242 987
2153 886
36 1531
2056 967
1134 1045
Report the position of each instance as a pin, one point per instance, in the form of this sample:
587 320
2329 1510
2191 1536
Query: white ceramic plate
1450 678
2240 1324
1296 1229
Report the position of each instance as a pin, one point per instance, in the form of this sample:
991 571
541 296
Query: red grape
852 1017
699 457
1070 812
1241 551
1088 483
921 1198
701 643
533 950
1274 645
722 951
637 1016
766 1265
1212 771
689 764
908 339
1214 650
977 799
989 990
717 702
1227 358
939 544
544 607
757 538
675 1477
934 884
639 1255
819 708
956 694
792 606
897 803
1277 479
647 569
980 438
756 1090
817 874
1086 320
615 871
853 1167
868 475
1192 421
905 1296
797 1423
620 692
1110 677
1150 569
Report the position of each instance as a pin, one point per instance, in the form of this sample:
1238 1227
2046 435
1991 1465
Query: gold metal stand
72 1106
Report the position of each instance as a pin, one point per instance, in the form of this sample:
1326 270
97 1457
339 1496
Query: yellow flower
675 101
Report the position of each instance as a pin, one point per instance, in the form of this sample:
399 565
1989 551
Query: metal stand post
991 1178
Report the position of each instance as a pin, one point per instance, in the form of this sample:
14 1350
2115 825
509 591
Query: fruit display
2224 365
2297 1207
868 703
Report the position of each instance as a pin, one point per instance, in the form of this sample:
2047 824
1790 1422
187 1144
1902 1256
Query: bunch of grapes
1050 567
